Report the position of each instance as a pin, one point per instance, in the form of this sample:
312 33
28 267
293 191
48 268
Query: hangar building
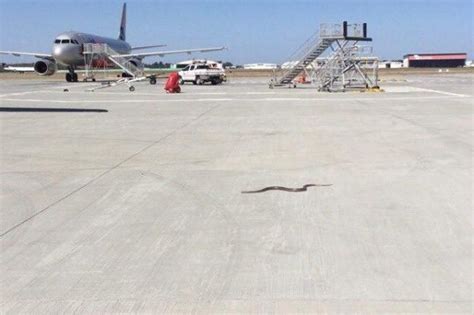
261 66
447 60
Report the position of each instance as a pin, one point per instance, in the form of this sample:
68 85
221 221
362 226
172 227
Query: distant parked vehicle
201 73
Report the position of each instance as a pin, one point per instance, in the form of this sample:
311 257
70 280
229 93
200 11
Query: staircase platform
334 36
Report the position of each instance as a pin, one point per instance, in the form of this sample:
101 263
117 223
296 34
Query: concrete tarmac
133 204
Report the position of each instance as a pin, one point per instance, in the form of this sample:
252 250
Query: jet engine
45 67
137 63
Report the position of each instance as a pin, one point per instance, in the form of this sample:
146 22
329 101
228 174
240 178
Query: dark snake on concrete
304 188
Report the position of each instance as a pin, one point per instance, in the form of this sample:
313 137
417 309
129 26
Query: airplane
68 50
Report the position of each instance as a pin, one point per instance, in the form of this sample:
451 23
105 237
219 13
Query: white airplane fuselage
68 47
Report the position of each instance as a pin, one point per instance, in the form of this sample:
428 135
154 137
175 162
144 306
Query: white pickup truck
201 73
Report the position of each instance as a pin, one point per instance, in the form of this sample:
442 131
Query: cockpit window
57 41
65 41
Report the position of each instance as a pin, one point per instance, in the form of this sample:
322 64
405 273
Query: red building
448 60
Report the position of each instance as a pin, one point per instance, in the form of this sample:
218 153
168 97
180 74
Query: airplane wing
19 69
147 47
19 53
169 52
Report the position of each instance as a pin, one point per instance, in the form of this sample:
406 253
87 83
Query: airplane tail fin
123 23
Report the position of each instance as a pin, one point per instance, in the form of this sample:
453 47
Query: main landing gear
71 76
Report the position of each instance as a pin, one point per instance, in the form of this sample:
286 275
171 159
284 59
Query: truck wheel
199 81
181 81
152 81
131 89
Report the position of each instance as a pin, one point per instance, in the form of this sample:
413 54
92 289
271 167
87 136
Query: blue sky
254 31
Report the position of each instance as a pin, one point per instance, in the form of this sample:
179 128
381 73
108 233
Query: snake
301 189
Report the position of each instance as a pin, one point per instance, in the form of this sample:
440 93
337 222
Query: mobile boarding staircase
332 61
103 53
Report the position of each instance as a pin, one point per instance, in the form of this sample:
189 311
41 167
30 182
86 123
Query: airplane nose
65 54
58 53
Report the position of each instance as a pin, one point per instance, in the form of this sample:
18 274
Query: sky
253 30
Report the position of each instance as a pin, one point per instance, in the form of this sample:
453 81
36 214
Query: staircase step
311 55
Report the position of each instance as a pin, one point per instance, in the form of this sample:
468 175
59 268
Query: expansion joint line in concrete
109 170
